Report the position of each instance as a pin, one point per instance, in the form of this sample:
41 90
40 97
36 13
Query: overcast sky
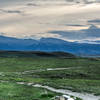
40 18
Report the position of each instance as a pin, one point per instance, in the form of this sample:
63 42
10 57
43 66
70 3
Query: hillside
35 54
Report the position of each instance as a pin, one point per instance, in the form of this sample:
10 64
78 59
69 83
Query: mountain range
48 45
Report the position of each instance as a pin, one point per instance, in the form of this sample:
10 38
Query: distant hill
48 45
35 54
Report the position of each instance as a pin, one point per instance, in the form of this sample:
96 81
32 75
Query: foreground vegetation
12 91
80 75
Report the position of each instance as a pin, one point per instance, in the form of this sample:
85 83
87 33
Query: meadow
80 75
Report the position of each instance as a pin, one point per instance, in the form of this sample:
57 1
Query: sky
65 19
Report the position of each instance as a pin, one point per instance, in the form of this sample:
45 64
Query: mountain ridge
48 45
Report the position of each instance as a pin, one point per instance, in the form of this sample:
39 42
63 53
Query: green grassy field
12 91
82 75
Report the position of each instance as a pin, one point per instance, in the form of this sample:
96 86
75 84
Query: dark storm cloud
91 32
11 11
75 25
94 21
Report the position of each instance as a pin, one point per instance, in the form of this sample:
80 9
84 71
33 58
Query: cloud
11 11
32 17
32 4
76 25
92 32
45 35
94 21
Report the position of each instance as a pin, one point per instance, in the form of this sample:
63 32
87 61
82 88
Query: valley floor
80 75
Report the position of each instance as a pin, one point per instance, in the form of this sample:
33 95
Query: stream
84 96
48 69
